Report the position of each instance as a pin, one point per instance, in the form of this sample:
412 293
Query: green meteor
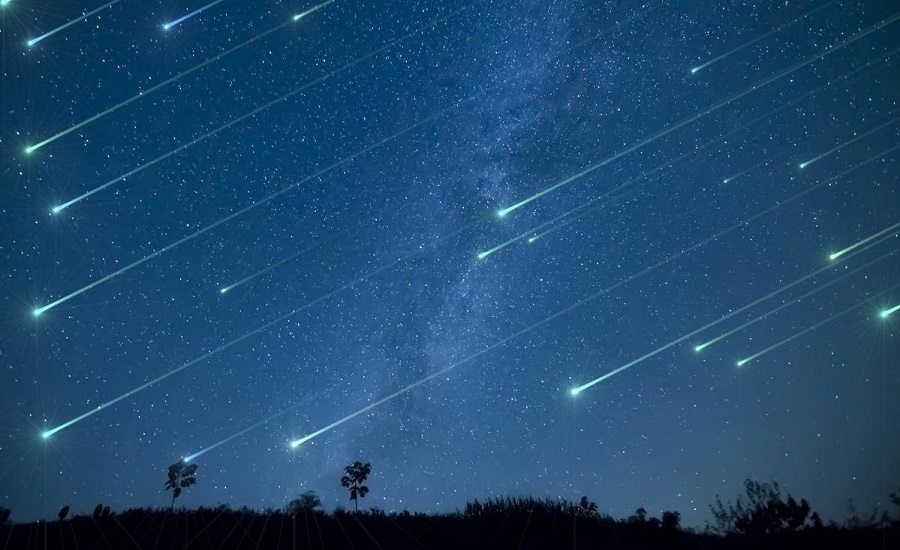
268 198
744 222
327 76
681 124
885 313
819 288
313 9
263 271
698 68
82 17
577 390
837 148
805 331
858 244
384 267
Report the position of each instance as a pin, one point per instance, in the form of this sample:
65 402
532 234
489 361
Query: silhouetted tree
4 515
761 511
640 516
587 506
354 478
63 512
98 509
671 520
181 476
308 502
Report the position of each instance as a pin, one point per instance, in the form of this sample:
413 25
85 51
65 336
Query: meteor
384 267
170 24
589 298
311 10
228 288
681 124
805 331
754 167
254 112
48 34
699 68
743 223
143 93
885 313
856 245
551 230
4 2
846 143
268 198
753 321
263 422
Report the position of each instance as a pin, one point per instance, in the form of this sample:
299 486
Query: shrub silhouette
762 511
181 476
354 478
671 520
63 512
308 501
4 515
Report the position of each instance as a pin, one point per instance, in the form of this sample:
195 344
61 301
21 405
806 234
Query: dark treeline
763 517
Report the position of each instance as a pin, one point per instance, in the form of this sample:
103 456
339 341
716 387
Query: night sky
400 130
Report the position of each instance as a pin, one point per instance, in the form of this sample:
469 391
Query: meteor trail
846 143
280 262
577 390
666 131
311 10
698 68
194 456
170 24
807 330
885 313
745 171
261 108
143 93
384 267
551 230
739 328
264 200
48 34
855 245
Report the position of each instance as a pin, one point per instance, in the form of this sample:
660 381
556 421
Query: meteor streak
698 68
48 34
32 148
261 108
739 225
677 126
575 391
311 10
246 209
197 11
846 143
739 328
885 313
856 245
280 262
263 422
418 251
807 330
551 230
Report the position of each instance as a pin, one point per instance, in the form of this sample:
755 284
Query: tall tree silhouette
181 476
354 478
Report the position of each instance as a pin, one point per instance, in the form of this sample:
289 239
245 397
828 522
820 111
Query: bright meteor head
295 444
45 435
574 392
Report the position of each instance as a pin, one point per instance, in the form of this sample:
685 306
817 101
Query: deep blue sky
543 101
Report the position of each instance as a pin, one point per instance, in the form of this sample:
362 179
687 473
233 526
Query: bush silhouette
762 511
354 478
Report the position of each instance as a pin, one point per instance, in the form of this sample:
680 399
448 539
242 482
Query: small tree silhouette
762 511
588 507
308 502
671 520
355 475
181 476
4 515
63 512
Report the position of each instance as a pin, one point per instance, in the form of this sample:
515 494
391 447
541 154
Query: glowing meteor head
694 70
698 349
833 257
502 213
295 444
884 313
36 312
532 239
803 165
223 290
574 392
46 435
742 362
483 255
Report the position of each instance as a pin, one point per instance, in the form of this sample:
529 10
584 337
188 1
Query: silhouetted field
500 523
